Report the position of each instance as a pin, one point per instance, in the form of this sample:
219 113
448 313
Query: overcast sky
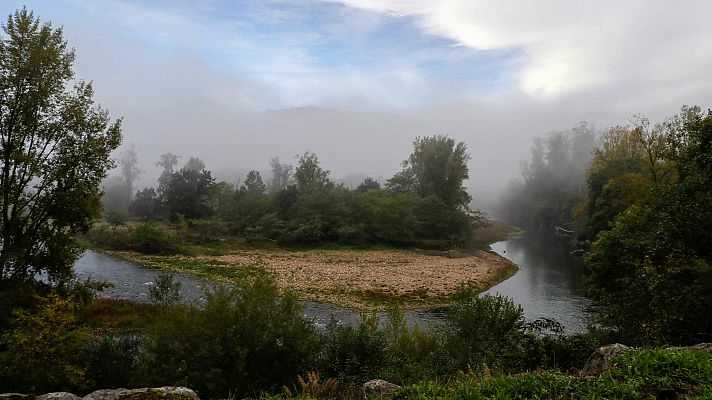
238 82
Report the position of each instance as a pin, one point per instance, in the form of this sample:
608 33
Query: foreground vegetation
249 338
637 374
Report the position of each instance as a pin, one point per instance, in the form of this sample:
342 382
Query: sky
355 81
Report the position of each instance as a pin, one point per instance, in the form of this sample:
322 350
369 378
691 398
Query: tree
651 270
437 167
167 161
253 185
309 174
368 184
281 175
146 204
194 164
129 171
188 194
115 218
55 147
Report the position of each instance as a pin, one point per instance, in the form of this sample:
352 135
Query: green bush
43 350
149 239
485 331
245 339
111 360
353 355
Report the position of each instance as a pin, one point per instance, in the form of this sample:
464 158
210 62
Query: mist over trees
639 201
553 180
302 206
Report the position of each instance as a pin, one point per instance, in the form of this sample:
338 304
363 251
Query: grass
638 374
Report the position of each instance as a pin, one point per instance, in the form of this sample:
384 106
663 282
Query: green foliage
147 238
368 184
146 205
253 185
41 354
244 339
188 193
437 167
111 360
484 332
353 355
652 270
115 218
165 291
55 145
639 374
309 175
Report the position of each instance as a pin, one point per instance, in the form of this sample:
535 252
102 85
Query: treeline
642 209
425 204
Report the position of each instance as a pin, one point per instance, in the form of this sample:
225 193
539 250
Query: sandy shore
361 279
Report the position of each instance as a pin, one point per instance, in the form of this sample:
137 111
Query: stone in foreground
378 387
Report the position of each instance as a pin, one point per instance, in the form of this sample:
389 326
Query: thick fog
235 97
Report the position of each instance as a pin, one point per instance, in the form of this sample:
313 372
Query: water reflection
548 283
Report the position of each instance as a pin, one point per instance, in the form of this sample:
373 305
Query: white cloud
567 46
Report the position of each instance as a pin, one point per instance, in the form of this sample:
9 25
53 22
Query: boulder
602 358
161 393
706 347
58 396
378 387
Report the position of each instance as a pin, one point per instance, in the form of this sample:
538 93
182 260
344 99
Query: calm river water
547 285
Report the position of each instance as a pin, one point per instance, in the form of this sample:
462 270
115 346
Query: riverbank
365 280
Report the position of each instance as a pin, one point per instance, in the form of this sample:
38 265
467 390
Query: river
547 285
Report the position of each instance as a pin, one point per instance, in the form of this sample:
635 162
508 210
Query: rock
706 347
602 357
161 393
105 394
58 396
378 387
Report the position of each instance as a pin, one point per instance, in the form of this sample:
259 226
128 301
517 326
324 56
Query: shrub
165 291
42 349
148 239
354 355
245 339
112 359
483 332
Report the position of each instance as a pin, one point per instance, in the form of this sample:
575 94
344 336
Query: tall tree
253 185
651 270
188 194
55 147
168 161
281 175
437 167
128 163
309 175
194 164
